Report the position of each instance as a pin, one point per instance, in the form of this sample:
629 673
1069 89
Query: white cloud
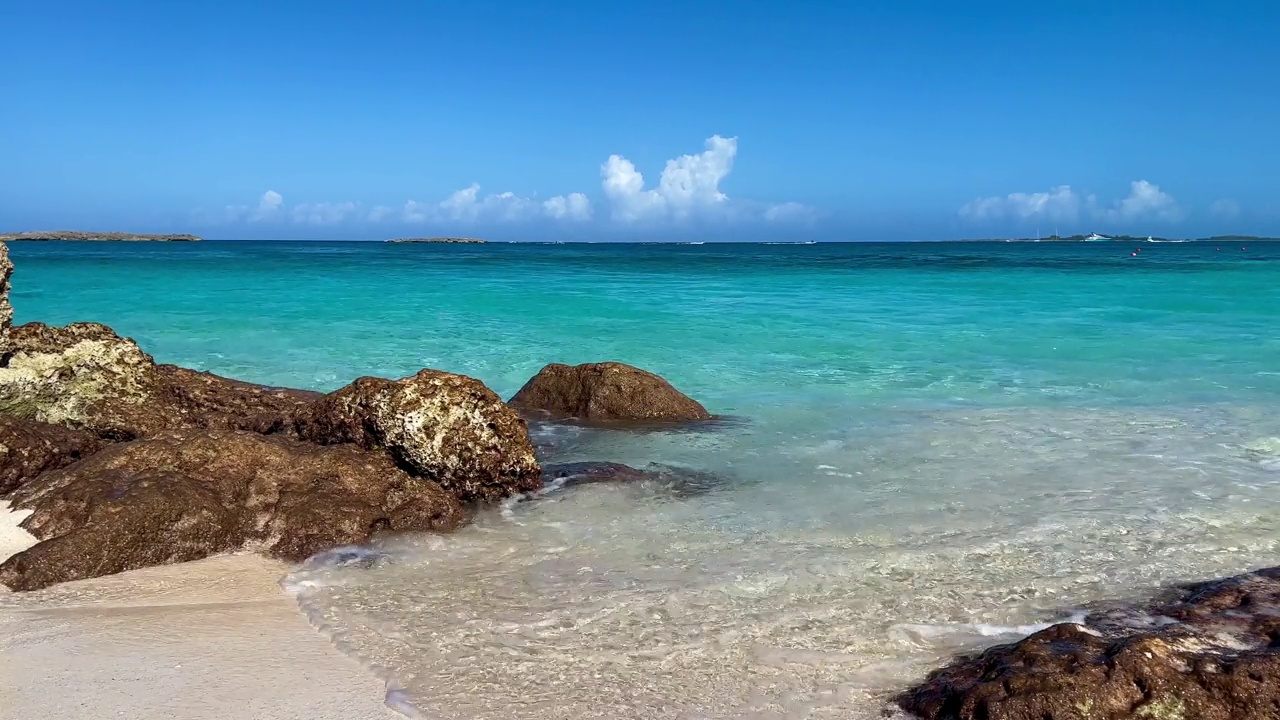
1145 202
1060 203
689 184
268 207
574 206
468 206
790 212
1226 208
323 213
380 212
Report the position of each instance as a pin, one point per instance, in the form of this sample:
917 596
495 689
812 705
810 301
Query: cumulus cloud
323 213
688 183
688 187
268 207
380 212
1226 209
574 206
468 206
1145 202
1060 203
790 212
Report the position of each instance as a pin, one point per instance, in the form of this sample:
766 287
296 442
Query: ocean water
931 448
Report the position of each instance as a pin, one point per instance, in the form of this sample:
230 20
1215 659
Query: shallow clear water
935 447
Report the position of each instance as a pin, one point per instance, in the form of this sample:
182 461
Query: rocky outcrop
190 399
82 375
1210 653
607 392
29 447
449 428
6 309
188 494
202 464
86 376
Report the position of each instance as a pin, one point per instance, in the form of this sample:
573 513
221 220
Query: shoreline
188 641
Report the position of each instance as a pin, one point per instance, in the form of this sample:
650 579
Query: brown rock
607 392
6 309
187 398
449 428
82 375
183 495
85 376
29 447
1220 661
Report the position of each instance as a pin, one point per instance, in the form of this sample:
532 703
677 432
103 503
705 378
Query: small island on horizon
1095 237
83 236
452 240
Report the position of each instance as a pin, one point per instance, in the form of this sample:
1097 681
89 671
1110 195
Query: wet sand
216 638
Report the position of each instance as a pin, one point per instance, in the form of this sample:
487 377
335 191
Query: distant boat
1095 237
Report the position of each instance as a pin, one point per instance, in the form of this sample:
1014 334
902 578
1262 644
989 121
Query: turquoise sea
930 447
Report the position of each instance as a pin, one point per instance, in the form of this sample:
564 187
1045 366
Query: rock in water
188 494
1213 656
30 447
86 376
449 428
607 392
678 482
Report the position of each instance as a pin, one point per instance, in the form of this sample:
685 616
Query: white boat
1095 237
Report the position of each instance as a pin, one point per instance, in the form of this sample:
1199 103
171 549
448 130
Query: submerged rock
1212 653
86 376
681 482
449 428
184 495
30 447
607 392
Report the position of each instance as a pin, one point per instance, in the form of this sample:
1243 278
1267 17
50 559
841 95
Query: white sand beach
216 638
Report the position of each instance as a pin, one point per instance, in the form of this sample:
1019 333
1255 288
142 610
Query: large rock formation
30 447
1213 653
449 428
6 309
86 376
188 494
204 464
607 392
188 398
82 375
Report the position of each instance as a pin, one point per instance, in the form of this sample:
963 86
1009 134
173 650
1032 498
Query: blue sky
628 120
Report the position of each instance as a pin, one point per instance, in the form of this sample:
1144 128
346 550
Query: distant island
81 236
1095 237
464 241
